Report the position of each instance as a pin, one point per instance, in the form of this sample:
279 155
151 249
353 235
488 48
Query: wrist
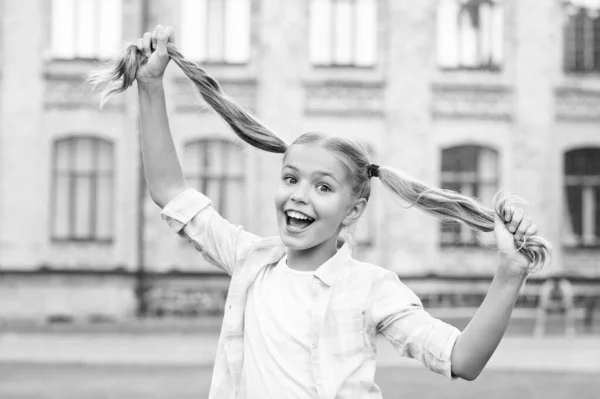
149 83
514 268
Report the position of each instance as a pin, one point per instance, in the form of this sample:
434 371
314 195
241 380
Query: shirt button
315 344
319 382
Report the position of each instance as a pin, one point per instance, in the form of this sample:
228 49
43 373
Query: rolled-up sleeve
191 215
400 318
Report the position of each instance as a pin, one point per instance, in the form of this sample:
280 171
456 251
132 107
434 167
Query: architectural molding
344 98
574 104
453 101
68 92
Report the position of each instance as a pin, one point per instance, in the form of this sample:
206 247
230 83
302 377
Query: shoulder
267 250
369 272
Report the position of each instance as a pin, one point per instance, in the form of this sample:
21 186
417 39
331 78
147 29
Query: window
86 28
216 167
582 192
216 30
343 32
472 171
82 208
582 36
470 34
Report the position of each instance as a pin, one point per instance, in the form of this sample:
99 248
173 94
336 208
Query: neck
311 258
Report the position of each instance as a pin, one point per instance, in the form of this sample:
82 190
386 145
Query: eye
323 188
289 180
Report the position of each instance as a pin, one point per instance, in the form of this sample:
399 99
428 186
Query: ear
357 207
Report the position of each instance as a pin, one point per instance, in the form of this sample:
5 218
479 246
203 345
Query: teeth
297 215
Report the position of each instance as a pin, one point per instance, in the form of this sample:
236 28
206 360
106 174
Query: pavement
149 345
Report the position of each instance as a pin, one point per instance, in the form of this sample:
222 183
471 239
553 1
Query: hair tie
373 170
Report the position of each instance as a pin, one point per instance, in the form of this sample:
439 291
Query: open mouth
297 220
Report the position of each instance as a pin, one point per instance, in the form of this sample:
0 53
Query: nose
299 194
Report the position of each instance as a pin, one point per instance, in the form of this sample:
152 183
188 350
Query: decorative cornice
452 101
68 92
344 98
573 104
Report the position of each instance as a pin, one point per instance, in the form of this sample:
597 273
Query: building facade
470 95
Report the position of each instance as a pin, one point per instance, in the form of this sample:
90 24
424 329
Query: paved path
580 354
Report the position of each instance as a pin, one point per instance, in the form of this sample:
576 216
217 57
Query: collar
329 271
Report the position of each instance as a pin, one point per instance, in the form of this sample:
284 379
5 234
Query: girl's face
314 197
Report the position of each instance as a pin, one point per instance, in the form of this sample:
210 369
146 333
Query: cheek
280 197
334 209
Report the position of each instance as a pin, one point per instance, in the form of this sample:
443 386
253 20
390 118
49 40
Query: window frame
585 183
491 66
202 176
75 56
72 173
581 40
353 38
458 233
207 32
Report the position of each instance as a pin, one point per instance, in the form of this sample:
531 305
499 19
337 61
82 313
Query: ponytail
449 205
121 76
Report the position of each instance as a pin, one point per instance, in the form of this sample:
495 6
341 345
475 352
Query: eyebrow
321 173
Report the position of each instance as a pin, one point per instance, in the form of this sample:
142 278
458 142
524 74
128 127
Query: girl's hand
154 47
515 227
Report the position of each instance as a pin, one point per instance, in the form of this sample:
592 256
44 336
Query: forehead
311 159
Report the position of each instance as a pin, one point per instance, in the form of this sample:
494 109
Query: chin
294 243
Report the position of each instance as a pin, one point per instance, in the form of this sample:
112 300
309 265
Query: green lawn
22 381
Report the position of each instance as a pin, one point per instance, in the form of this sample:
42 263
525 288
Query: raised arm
475 346
161 163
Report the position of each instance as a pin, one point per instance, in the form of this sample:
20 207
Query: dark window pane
60 214
215 167
597 215
80 204
583 162
597 43
575 202
579 40
471 171
570 43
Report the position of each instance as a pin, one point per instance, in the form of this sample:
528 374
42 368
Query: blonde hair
444 204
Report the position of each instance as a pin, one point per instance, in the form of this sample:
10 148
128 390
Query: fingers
153 40
531 230
146 42
517 223
170 34
508 212
523 226
156 41
161 40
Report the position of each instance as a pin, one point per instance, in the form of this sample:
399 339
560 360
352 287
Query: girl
302 316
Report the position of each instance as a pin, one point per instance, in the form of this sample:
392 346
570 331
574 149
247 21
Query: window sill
579 73
491 69
581 248
77 68
77 241
222 63
470 245
344 67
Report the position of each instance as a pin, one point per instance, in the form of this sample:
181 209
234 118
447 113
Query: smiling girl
302 316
